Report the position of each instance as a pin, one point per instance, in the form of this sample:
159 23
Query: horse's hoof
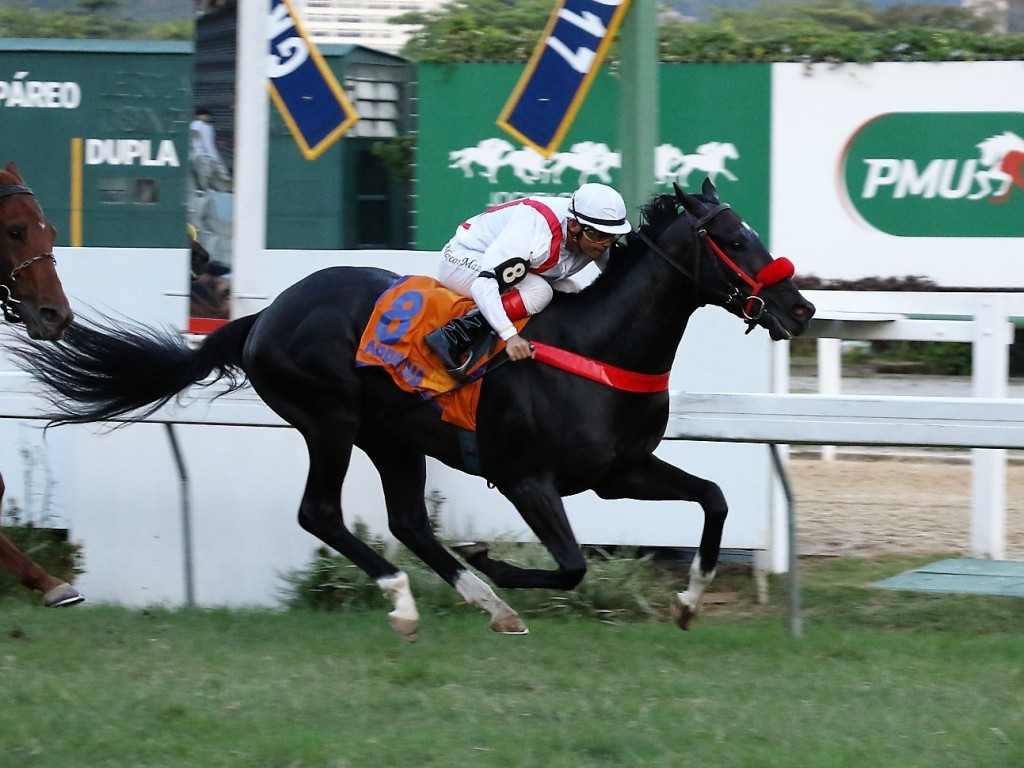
470 549
682 614
62 596
407 629
509 623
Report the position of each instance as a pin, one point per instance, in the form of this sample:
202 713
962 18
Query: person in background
208 168
511 258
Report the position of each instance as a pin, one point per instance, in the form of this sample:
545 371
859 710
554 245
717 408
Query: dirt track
857 507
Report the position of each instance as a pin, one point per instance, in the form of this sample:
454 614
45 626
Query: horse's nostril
803 311
54 318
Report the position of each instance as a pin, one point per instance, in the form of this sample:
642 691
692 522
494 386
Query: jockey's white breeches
460 270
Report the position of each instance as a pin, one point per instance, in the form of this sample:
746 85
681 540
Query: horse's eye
16 233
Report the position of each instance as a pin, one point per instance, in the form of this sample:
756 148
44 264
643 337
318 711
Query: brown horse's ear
12 168
710 192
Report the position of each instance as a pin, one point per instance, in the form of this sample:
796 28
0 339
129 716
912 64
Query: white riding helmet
601 207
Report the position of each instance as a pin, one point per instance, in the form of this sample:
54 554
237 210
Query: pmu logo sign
938 174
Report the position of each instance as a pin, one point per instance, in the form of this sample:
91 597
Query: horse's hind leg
321 515
56 593
656 480
541 508
403 475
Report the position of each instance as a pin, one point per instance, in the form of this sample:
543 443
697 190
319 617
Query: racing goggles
598 237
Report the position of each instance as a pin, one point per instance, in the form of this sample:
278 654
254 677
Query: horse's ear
681 197
691 203
13 169
710 192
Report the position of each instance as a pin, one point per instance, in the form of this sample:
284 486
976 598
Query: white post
830 364
249 217
776 559
993 334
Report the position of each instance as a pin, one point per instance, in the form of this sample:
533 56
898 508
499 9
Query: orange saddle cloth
413 307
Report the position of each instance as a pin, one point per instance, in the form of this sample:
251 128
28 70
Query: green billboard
938 174
714 121
99 130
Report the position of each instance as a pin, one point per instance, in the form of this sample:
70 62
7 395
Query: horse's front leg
652 479
56 593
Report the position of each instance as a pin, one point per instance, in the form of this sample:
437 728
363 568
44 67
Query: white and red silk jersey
532 228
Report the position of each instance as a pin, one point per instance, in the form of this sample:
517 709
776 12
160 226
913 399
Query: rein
7 299
602 373
564 360
751 305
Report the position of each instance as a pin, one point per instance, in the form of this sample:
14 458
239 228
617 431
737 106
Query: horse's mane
655 217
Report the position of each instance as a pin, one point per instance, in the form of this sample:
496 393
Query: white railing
989 422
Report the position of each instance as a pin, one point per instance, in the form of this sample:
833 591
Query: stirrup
481 348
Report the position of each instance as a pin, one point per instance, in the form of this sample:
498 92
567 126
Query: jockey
510 258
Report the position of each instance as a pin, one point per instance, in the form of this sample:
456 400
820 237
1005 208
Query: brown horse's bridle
7 299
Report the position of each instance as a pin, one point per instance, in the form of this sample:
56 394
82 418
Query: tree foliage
477 30
827 30
88 20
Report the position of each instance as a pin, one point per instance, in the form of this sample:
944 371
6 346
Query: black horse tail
125 371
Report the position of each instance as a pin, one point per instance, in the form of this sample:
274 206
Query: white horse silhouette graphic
1001 155
489 154
709 158
591 159
529 165
667 158
673 165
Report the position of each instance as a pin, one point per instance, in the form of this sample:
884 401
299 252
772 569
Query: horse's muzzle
46 323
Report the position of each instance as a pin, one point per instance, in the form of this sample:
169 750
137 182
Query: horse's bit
7 299
751 305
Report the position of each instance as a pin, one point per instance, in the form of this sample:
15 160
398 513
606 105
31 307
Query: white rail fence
989 423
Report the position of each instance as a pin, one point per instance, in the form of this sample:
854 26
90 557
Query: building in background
360 22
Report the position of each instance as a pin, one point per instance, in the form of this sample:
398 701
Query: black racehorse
31 295
542 433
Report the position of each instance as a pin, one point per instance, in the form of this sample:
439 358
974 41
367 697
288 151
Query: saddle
394 340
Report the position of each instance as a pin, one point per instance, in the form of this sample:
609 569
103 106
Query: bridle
749 305
8 304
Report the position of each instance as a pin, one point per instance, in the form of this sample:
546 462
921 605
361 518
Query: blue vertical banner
558 75
306 92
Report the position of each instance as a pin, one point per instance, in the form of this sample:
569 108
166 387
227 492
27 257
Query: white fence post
830 362
993 335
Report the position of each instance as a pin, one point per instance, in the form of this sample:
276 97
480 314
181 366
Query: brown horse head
30 290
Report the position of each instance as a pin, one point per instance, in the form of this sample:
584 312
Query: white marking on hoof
404 618
62 596
476 592
682 614
509 624
407 629
687 604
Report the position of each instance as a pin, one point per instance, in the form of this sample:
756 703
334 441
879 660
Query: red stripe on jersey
553 224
